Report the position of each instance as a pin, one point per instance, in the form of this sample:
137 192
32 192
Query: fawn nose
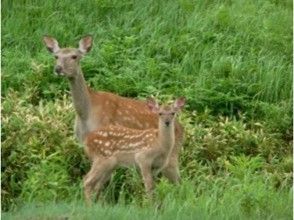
58 69
167 123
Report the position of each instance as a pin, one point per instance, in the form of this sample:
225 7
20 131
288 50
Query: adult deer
98 109
114 146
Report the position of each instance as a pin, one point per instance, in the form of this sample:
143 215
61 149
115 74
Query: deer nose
58 69
167 123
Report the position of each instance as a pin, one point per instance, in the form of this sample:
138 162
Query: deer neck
80 94
166 137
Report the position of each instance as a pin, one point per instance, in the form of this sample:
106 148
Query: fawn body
115 146
95 110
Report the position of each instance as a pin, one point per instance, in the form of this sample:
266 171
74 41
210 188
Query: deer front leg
78 130
148 180
171 170
90 181
145 168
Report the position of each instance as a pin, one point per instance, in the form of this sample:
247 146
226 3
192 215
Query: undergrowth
232 60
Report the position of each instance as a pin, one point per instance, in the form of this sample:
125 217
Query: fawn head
166 113
67 59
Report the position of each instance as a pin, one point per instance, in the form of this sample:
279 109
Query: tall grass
221 198
239 49
231 59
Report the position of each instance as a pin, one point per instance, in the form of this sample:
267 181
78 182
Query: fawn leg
91 179
171 170
109 166
145 167
100 168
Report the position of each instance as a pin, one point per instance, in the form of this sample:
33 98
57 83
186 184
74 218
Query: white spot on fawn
107 152
105 134
136 144
126 119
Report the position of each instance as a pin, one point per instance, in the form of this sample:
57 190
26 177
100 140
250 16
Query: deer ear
179 103
85 44
51 44
153 105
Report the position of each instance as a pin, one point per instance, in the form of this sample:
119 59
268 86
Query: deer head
67 59
166 113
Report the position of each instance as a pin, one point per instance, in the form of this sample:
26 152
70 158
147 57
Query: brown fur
95 110
113 146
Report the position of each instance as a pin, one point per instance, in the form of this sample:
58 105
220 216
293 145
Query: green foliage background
231 59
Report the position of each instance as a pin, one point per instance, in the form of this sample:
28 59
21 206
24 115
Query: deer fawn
98 109
115 146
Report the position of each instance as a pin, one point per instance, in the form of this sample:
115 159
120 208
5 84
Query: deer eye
160 113
56 57
74 57
173 113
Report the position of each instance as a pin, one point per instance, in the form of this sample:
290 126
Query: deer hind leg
99 169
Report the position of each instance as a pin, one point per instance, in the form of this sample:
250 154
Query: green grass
232 60
185 47
227 198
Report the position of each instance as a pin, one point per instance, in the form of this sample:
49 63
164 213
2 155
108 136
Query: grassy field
232 60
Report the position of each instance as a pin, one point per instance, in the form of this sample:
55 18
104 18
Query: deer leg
106 176
90 180
100 168
171 171
145 168
147 178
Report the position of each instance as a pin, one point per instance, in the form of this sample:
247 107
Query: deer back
111 109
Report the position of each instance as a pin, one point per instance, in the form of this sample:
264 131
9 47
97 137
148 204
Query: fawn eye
74 57
160 113
56 57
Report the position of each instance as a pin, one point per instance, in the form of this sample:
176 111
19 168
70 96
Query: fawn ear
51 44
85 44
179 103
153 105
